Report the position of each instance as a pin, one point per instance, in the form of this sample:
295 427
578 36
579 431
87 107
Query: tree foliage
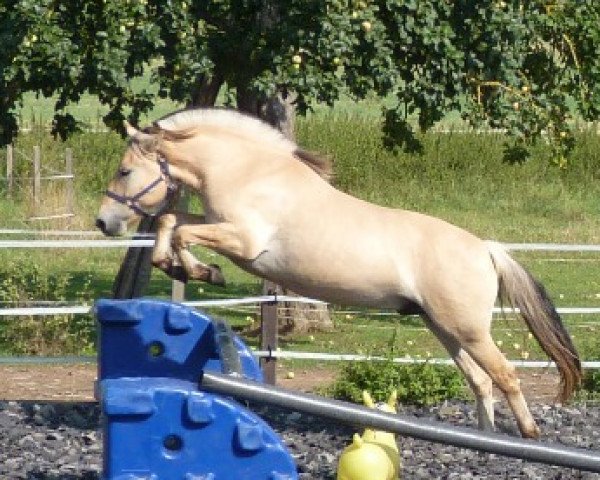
526 67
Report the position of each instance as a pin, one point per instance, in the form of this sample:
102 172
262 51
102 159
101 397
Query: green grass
460 177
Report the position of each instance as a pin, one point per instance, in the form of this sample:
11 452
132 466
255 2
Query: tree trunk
279 112
208 90
135 270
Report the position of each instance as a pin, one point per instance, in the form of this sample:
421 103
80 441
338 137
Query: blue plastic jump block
151 338
164 429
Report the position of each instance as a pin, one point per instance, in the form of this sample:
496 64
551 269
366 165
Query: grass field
460 177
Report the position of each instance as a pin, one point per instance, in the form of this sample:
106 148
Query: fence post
178 287
268 332
70 188
9 169
36 175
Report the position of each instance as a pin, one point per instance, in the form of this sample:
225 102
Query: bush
21 283
417 384
590 386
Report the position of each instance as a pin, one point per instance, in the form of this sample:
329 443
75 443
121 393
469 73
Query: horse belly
343 282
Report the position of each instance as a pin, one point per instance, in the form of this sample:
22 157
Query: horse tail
525 293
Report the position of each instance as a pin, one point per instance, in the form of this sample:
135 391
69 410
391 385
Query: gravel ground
62 440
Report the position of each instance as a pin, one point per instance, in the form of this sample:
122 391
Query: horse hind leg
479 381
485 352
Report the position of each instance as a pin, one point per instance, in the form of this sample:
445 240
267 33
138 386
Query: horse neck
214 157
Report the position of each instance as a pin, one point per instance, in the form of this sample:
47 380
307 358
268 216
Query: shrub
418 384
21 284
590 386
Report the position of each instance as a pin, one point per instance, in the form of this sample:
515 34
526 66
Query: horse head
141 186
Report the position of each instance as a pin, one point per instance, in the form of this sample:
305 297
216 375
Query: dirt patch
76 382
47 382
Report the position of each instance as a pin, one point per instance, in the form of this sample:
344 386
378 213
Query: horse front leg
177 264
223 238
162 254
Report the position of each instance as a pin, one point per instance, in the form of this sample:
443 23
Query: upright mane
184 123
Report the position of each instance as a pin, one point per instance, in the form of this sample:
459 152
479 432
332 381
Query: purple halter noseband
133 201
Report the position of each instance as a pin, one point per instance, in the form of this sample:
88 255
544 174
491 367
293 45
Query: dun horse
268 206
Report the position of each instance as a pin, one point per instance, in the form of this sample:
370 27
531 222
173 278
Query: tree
525 67
528 68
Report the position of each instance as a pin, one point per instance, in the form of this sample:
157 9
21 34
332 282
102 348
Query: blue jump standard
157 424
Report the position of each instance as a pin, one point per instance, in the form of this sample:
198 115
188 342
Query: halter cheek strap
133 202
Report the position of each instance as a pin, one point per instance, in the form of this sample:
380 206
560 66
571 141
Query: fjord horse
269 208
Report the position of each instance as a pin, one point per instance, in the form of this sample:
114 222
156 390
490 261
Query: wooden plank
51 217
268 332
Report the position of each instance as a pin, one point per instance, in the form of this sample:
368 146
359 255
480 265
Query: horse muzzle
111 227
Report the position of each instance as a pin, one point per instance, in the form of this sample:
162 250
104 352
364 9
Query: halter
133 201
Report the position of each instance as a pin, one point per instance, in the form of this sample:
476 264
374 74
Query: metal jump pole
431 431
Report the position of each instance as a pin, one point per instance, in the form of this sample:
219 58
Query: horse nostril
101 225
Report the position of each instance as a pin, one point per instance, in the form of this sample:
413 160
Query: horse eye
123 172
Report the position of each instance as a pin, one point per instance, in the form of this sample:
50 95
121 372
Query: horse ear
393 400
130 129
148 141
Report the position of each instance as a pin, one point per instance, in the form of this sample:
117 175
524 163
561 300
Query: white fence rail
149 242
85 309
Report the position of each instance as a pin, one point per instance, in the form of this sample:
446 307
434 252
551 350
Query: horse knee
507 380
161 257
167 221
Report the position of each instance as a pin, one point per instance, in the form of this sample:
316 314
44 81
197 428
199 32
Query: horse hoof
533 433
164 265
215 276
177 272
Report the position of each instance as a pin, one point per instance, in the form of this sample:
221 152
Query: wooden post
36 175
178 291
268 333
9 169
70 190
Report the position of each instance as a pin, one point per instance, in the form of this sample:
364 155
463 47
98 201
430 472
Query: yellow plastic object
374 455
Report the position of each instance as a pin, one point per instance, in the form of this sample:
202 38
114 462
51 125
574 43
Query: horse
269 207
